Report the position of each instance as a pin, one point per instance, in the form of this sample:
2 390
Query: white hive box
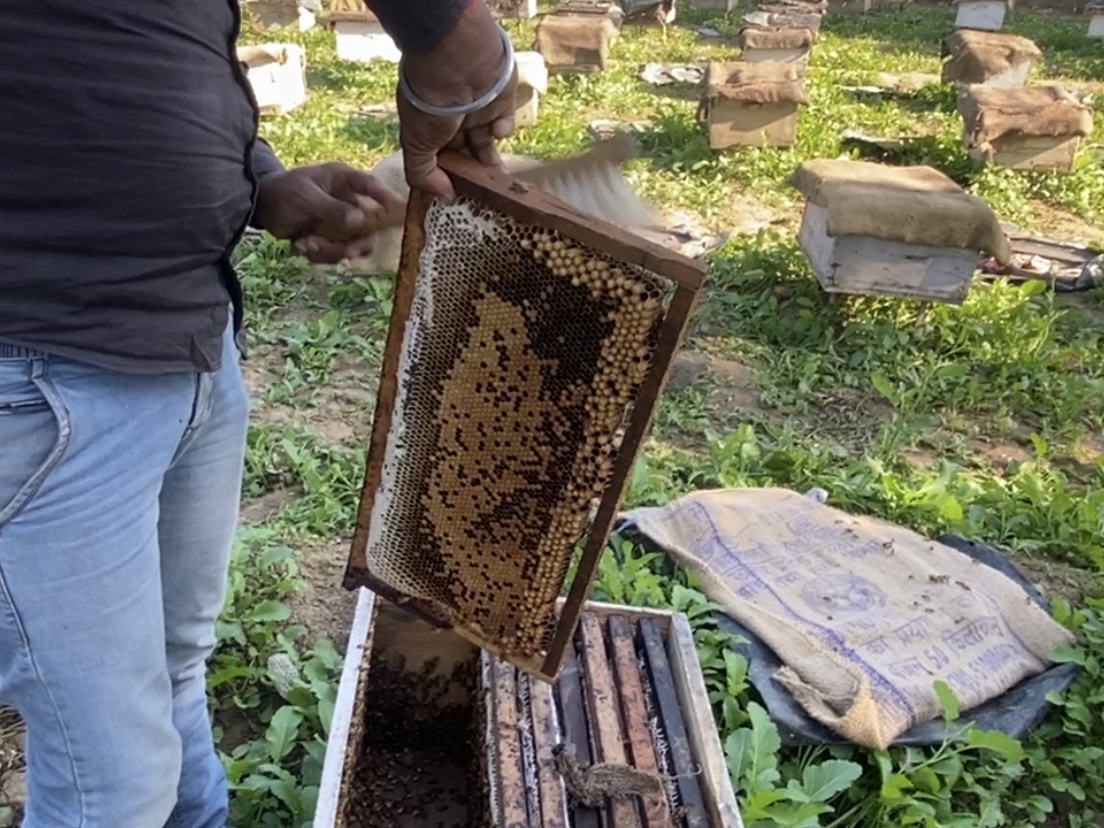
985 15
909 232
360 38
277 74
532 85
430 731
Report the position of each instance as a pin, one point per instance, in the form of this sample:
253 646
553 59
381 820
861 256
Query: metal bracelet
463 109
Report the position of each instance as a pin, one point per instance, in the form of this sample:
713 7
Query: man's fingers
422 173
321 250
481 144
362 184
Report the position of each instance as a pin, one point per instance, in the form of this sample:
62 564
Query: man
129 168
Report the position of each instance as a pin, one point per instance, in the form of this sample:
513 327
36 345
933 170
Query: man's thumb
335 219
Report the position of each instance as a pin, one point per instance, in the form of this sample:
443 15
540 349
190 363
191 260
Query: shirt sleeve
264 160
418 26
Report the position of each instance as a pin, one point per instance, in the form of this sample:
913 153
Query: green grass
983 419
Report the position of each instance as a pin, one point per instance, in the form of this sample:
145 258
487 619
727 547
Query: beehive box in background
528 345
1035 128
532 84
1095 11
359 37
518 9
986 15
277 74
909 232
752 104
777 45
577 38
428 730
993 59
725 6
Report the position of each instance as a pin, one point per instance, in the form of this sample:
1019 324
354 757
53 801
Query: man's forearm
418 26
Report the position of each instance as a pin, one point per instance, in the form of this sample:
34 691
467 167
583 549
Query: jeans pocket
34 433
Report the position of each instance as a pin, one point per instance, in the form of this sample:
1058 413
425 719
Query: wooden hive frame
497 191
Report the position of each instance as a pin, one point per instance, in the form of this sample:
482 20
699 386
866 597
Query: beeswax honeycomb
521 359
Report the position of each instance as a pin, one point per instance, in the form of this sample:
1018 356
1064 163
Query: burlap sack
753 37
564 39
989 114
766 82
865 615
913 205
975 57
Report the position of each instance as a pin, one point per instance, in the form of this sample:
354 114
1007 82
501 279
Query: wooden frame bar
527 205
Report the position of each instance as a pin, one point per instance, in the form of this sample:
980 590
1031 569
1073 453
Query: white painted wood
775 55
725 6
1096 26
986 15
876 267
277 73
363 41
532 83
327 813
701 727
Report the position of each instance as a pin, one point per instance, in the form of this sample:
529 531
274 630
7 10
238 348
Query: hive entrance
527 347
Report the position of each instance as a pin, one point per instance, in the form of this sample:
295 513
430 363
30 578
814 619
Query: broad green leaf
820 783
270 611
947 700
282 732
996 742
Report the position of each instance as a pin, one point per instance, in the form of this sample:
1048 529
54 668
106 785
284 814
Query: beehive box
428 730
277 74
265 15
984 15
527 348
359 37
779 45
724 6
1095 11
518 9
752 104
1035 128
778 16
532 84
908 232
577 38
989 58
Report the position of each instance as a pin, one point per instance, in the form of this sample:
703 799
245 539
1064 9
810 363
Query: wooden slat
701 727
603 706
576 733
546 735
356 571
654 810
670 714
511 778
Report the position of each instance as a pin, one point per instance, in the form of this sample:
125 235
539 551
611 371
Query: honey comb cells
523 350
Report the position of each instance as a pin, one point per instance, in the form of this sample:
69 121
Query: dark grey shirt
129 163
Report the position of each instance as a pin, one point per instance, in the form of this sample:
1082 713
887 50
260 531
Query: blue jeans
118 503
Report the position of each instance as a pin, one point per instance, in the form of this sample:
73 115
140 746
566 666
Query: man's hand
467 63
330 211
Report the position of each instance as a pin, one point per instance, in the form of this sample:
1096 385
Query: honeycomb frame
637 288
